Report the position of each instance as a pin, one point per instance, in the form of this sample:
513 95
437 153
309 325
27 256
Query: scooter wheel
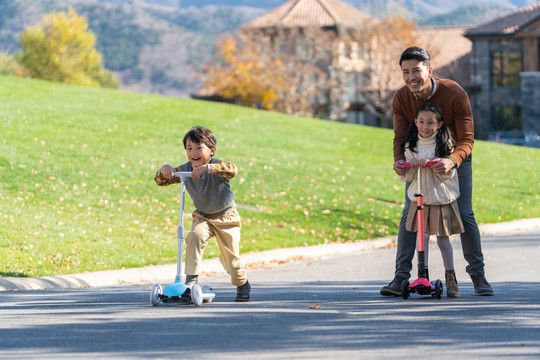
405 291
196 295
154 295
208 294
438 289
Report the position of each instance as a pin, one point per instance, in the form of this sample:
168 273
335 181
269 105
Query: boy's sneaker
394 288
481 285
191 280
242 292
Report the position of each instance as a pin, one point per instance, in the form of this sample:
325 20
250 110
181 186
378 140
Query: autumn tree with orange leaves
240 75
285 71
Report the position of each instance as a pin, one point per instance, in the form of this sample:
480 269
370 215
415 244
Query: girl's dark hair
199 134
445 143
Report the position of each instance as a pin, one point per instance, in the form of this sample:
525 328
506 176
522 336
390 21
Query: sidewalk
166 273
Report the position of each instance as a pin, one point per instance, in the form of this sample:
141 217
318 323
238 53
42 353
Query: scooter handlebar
428 164
183 175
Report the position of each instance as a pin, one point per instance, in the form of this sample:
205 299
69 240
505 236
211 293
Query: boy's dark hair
444 141
199 134
416 53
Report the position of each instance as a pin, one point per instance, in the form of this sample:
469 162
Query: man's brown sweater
456 108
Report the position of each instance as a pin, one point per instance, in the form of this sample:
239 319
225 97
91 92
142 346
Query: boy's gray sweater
211 195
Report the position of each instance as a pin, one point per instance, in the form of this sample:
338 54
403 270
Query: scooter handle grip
428 164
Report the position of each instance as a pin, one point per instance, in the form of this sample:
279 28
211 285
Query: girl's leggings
447 251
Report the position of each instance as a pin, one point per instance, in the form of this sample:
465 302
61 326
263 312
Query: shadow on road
297 317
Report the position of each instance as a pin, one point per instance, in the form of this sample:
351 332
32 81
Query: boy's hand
198 172
167 171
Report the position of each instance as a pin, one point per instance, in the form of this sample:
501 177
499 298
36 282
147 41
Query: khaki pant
226 229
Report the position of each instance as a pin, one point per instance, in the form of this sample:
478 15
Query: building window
506 118
506 66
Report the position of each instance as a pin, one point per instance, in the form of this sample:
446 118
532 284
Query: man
420 87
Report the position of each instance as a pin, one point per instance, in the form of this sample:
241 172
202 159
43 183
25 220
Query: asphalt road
325 308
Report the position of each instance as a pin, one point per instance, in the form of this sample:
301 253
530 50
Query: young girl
428 139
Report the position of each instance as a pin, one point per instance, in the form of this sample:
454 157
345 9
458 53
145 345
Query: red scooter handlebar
428 164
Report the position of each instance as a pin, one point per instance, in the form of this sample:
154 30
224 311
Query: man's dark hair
416 53
199 134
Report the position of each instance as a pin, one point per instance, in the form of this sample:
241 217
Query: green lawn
77 168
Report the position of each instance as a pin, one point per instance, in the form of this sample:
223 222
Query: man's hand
399 168
443 166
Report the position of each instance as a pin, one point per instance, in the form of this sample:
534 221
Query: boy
215 213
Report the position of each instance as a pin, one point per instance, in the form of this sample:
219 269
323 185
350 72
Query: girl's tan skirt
442 220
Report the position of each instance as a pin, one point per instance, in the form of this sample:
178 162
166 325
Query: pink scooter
421 286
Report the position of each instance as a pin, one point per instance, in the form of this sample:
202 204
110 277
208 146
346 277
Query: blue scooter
178 292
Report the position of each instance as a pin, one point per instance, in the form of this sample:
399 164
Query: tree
284 70
241 76
382 43
60 48
10 66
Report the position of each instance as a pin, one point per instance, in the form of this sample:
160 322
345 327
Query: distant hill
158 46
466 15
420 9
153 48
416 8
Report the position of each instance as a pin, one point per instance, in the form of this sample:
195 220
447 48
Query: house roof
509 24
450 51
447 44
305 13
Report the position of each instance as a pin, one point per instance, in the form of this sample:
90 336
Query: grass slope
77 168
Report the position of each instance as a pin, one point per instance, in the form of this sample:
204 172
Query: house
505 73
329 14
344 66
450 51
351 94
450 48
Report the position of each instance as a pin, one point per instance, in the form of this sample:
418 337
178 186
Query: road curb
165 273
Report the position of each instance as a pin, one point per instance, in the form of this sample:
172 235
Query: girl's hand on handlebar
423 162
415 163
